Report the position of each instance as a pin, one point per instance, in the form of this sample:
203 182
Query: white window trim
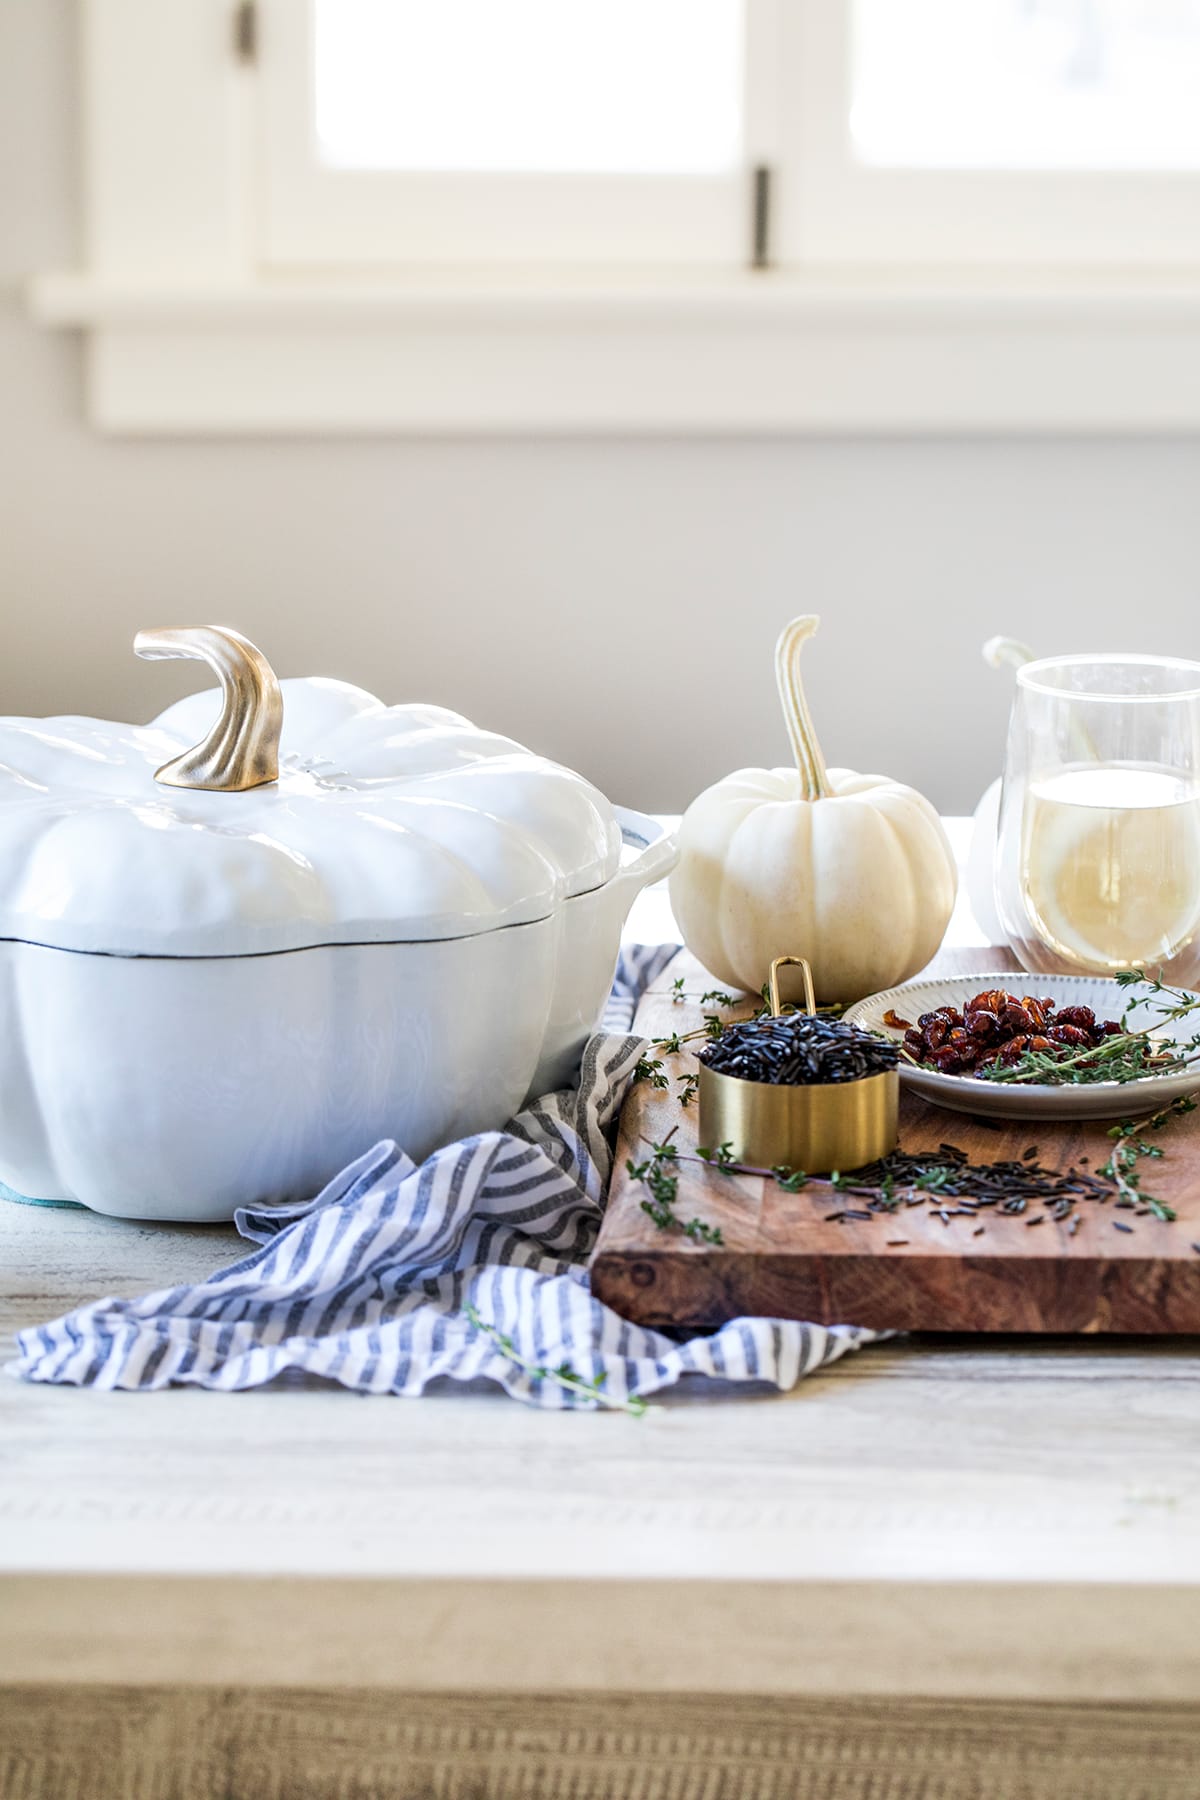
404 219
183 337
846 213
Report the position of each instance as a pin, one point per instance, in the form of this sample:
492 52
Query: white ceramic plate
1029 1100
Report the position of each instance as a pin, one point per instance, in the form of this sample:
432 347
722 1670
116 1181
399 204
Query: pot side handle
651 849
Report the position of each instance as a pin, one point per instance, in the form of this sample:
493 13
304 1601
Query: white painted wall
614 604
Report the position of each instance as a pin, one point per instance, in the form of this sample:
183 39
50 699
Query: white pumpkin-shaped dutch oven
226 971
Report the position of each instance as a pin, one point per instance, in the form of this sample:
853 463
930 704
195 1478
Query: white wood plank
432 1635
1027 1482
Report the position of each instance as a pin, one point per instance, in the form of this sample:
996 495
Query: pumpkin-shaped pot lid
270 816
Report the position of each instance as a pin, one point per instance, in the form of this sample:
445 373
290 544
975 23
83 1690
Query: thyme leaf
650 1069
722 1157
790 1180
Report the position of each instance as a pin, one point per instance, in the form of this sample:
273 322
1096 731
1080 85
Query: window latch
760 239
245 31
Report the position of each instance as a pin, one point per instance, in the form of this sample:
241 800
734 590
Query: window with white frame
502 132
495 132
977 132
494 215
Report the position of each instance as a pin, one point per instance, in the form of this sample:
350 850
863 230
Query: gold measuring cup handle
783 962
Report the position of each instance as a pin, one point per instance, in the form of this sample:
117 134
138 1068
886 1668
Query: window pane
1010 84
586 86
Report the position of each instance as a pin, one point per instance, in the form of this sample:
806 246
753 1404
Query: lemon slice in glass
1111 864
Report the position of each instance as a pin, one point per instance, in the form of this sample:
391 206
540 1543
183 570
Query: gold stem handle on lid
242 749
783 962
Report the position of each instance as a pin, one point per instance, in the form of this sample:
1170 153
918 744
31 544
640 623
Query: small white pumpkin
853 872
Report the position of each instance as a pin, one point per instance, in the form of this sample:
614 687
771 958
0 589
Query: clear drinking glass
1098 856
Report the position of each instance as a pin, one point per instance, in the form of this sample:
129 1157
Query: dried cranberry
983 1024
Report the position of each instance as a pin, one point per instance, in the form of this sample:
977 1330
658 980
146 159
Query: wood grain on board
781 1256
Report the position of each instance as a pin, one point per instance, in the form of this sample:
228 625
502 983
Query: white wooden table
944 1567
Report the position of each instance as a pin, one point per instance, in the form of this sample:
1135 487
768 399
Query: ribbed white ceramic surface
387 824
999 1100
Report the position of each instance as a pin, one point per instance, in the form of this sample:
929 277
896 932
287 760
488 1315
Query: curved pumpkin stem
814 783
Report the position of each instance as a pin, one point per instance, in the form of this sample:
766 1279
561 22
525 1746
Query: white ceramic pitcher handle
1007 653
242 749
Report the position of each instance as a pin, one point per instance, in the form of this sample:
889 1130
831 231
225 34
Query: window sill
769 353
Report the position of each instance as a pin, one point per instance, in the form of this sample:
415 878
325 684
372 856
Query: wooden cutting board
781 1256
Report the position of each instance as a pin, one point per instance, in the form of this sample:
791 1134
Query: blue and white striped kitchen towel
370 1283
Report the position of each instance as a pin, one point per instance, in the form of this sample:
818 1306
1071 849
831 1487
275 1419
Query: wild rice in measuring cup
798 1050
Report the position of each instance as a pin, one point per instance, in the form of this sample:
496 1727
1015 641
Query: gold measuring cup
814 1127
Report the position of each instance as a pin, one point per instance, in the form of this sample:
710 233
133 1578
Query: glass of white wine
1098 857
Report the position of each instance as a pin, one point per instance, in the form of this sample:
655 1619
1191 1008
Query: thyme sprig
720 1158
713 996
564 1375
671 1045
1123 1057
650 1068
1129 1149
1129 1055
658 1173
